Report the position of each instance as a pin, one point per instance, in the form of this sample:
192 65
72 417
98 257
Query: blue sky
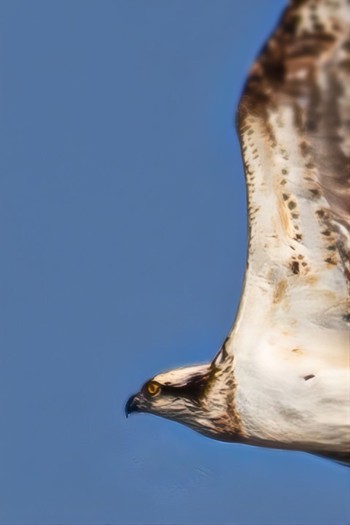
123 243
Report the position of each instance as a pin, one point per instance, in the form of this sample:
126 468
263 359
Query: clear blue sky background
122 253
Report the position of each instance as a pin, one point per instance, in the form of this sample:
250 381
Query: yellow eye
153 388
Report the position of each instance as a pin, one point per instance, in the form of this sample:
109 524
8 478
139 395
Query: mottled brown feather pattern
305 66
222 386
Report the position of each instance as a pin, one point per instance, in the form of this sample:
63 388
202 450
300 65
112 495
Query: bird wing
294 126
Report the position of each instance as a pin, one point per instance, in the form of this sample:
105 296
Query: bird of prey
281 378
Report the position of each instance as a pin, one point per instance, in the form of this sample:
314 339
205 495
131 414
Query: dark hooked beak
132 405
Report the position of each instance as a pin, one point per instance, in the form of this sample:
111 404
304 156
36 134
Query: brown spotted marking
279 290
295 267
309 376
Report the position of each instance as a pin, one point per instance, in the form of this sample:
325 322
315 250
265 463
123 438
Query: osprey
282 379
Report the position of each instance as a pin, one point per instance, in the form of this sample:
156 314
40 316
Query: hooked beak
132 405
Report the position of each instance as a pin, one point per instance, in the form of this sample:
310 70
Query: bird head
194 396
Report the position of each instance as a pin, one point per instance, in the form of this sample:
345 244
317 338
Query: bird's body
282 377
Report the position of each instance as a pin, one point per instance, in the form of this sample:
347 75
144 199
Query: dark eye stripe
193 389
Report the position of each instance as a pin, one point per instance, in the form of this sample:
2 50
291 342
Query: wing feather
294 127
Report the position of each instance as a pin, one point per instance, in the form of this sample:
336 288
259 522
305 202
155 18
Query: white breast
291 400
